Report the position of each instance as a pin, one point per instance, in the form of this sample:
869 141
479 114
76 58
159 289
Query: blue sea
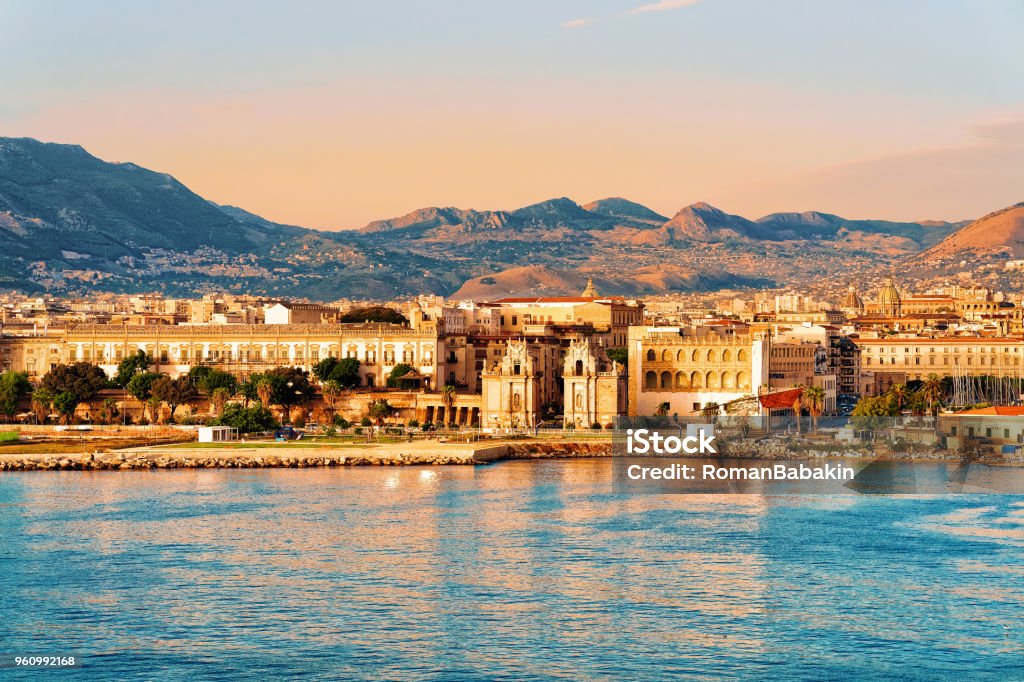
520 570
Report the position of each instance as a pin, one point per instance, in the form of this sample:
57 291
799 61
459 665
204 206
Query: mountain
997 234
702 222
626 212
430 218
57 199
813 224
73 223
538 280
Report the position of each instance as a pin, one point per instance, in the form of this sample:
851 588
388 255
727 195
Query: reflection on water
522 569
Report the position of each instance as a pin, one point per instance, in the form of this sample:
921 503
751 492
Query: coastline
259 456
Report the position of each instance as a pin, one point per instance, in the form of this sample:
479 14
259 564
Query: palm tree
331 391
109 411
265 390
814 398
899 395
933 392
219 398
448 400
154 404
41 401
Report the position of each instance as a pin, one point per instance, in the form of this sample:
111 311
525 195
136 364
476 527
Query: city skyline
335 115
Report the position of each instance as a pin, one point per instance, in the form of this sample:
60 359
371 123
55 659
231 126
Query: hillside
997 234
70 222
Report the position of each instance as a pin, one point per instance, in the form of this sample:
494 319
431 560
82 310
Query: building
686 368
594 387
996 429
916 357
300 313
515 389
245 349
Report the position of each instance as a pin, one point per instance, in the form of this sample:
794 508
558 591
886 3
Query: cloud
662 6
576 23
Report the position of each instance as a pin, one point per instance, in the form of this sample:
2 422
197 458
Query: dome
590 291
853 300
889 301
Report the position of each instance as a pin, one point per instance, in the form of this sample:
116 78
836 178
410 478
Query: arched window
695 356
651 355
742 355
711 381
728 380
696 380
681 380
711 356
650 380
680 357
742 380
666 380
727 355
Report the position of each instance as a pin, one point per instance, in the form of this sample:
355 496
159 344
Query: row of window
696 380
698 355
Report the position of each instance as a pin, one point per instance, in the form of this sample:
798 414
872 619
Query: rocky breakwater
298 458
557 450
217 461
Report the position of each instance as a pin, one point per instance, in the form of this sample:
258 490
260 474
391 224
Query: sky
332 114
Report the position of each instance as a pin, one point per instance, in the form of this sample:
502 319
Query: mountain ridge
70 221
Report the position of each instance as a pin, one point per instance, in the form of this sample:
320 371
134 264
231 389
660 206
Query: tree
871 413
374 313
174 392
380 410
346 373
132 365
109 411
247 419
264 389
899 395
663 408
13 387
209 379
395 376
619 355
322 370
153 405
65 403
448 400
42 400
710 410
331 391
219 398
141 385
141 388
934 393
82 380
814 399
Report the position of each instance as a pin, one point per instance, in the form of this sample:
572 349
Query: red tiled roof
998 410
781 400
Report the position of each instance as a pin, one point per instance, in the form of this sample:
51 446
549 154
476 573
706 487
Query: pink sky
333 131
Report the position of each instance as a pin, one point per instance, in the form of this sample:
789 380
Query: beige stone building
917 357
240 349
594 387
516 387
688 367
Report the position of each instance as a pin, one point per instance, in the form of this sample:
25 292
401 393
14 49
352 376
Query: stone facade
594 386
